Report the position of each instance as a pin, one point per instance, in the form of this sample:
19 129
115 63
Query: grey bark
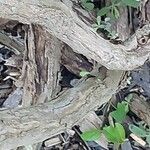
13 44
41 68
34 124
61 21
141 108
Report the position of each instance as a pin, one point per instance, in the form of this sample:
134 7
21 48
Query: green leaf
91 135
148 139
114 134
84 1
121 111
89 6
96 28
113 34
112 13
137 131
131 3
129 97
95 25
107 19
108 27
126 106
98 19
84 73
102 26
103 11
116 13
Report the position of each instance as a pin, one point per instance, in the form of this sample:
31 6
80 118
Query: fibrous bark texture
141 108
42 66
34 124
61 21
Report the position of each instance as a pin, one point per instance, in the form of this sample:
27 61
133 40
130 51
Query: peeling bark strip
58 19
43 52
34 124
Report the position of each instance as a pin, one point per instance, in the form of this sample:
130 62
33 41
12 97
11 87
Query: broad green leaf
148 139
89 6
84 73
137 131
114 134
131 3
103 11
120 113
91 135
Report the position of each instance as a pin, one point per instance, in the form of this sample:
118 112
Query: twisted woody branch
62 22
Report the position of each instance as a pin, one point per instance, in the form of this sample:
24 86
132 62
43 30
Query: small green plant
121 111
98 24
113 9
106 26
111 12
115 132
